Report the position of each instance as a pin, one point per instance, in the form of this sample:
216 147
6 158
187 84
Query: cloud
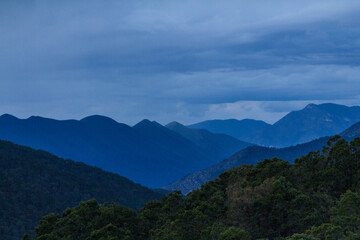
287 82
170 60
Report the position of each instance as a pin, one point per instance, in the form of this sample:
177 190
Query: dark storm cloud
169 60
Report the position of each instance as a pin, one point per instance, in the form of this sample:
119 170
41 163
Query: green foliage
268 168
234 234
47 224
346 213
90 221
316 198
26 237
344 221
302 237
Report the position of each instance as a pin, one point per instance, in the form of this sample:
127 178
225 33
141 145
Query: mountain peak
330 107
311 106
8 116
39 118
144 123
174 124
97 119
178 127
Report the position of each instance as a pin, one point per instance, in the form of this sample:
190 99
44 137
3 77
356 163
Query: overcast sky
177 60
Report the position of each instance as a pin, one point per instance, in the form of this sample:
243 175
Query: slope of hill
352 132
254 154
302 126
218 145
250 155
172 153
148 153
34 183
308 200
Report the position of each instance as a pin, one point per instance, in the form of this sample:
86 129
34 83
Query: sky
183 61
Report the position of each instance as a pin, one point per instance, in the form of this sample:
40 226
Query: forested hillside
316 198
34 183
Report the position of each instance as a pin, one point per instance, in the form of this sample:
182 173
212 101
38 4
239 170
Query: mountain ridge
220 145
252 155
148 152
301 126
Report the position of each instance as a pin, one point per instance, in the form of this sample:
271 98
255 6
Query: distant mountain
34 183
352 132
148 153
310 123
240 129
302 126
171 153
218 145
252 155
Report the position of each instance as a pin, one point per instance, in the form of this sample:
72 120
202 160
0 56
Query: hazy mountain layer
312 122
147 153
252 155
219 146
240 129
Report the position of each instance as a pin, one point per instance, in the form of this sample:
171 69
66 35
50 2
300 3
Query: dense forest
316 197
34 183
